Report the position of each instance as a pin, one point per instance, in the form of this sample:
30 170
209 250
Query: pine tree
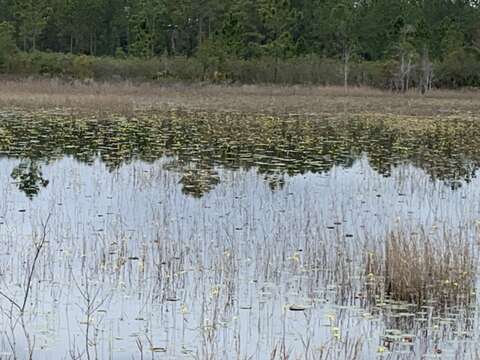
32 18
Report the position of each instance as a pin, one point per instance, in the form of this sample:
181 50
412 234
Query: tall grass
425 269
125 96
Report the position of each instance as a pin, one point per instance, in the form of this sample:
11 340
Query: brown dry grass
126 97
422 269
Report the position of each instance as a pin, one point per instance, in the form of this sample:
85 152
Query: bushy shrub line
459 69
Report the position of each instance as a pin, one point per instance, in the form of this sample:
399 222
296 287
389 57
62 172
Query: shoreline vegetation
389 45
460 70
127 97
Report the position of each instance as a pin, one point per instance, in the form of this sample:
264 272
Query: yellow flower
215 291
381 349
336 332
183 309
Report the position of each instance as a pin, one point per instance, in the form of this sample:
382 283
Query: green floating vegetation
199 143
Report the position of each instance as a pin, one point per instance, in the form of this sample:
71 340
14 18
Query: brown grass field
126 97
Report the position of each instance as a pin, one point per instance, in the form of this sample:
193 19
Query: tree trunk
152 39
402 73
407 75
91 43
173 42
426 81
346 68
200 31
275 70
34 40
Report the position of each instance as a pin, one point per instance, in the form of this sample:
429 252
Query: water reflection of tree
197 178
28 178
276 181
203 142
197 182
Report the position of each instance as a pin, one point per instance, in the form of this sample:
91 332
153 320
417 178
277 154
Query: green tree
278 21
147 23
406 52
240 31
32 18
7 45
452 40
344 21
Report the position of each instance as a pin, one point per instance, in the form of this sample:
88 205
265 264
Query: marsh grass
231 260
127 97
424 269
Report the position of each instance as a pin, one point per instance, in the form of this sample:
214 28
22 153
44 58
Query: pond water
235 236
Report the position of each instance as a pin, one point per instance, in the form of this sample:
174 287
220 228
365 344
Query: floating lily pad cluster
201 142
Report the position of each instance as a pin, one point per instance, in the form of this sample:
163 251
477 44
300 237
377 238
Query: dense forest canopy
373 29
407 31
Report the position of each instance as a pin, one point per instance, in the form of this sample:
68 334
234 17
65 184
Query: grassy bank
126 97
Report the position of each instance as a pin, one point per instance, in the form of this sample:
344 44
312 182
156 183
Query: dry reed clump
424 270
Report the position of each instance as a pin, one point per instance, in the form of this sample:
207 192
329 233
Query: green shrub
82 67
460 68
211 57
378 74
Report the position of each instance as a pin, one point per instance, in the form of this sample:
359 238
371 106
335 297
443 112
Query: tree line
412 36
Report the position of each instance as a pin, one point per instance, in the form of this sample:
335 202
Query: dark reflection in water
28 177
200 142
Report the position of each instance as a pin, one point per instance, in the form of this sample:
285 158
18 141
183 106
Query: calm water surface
226 236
